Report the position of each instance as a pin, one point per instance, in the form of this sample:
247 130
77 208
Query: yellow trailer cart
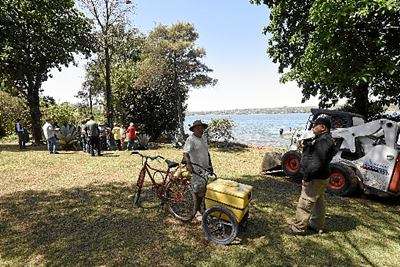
227 208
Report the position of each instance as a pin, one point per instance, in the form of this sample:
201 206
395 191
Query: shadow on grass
110 155
99 225
275 201
82 226
15 148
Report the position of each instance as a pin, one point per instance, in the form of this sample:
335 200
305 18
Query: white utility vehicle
368 155
368 158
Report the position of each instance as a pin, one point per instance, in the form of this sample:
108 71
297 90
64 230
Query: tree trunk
108 93
361 101
178 98
34 111
90 101
180 117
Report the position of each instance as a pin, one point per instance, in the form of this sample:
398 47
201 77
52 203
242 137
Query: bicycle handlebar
146 157
208 172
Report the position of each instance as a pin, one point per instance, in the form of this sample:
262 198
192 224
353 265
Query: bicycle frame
146 170
159 187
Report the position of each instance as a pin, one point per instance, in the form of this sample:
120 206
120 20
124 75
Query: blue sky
231 33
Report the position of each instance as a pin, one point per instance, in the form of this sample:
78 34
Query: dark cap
324 120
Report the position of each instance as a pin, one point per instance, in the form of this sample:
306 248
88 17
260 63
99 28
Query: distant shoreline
281 110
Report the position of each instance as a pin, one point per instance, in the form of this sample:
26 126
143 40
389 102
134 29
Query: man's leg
55 145
20 141
304 208
317 219
52 145
199 188
49 146
98 145
92 145
88 146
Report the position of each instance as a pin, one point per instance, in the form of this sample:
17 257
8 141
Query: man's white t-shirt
48 131
197 148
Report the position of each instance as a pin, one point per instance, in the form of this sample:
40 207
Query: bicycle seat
171 164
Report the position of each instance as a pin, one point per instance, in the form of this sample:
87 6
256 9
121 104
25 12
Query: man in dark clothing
20 131
93 132
317 154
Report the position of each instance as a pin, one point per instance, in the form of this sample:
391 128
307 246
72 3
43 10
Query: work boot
315 230
293 230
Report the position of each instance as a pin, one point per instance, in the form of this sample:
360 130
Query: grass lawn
73 209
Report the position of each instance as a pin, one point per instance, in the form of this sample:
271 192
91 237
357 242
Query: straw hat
198 123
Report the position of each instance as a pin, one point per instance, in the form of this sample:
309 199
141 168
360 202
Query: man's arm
186 159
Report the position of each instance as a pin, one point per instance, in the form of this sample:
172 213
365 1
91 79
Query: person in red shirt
131 135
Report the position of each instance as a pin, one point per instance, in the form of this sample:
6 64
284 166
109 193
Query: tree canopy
151 76
35 37
339 49
111 18
172 59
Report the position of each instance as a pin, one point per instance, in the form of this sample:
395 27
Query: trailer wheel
342 181
291 163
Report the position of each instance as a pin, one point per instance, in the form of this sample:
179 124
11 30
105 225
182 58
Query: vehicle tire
181 200
342 180
220 225
291 163
148 198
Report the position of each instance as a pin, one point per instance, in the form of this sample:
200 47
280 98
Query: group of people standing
49 132
94 138
120 134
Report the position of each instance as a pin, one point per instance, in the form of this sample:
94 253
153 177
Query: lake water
259 129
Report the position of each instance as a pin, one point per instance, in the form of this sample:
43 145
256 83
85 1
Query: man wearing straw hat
196 151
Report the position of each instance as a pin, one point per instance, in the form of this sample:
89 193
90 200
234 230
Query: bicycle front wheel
148 197
181 200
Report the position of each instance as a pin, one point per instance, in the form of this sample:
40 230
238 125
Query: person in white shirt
20 131
49 134
196 151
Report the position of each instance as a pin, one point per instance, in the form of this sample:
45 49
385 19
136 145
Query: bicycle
173 189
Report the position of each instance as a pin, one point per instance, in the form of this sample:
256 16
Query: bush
220 130
69 137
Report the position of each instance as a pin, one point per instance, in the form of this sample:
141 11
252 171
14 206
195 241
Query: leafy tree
339 49
63 114
220 130
126 54
92 87
11 109
151 107
35 37
110 17
171 59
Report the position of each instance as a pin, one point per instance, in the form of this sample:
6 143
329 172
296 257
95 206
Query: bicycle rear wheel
181 200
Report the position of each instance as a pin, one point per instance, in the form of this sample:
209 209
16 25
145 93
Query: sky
231 33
